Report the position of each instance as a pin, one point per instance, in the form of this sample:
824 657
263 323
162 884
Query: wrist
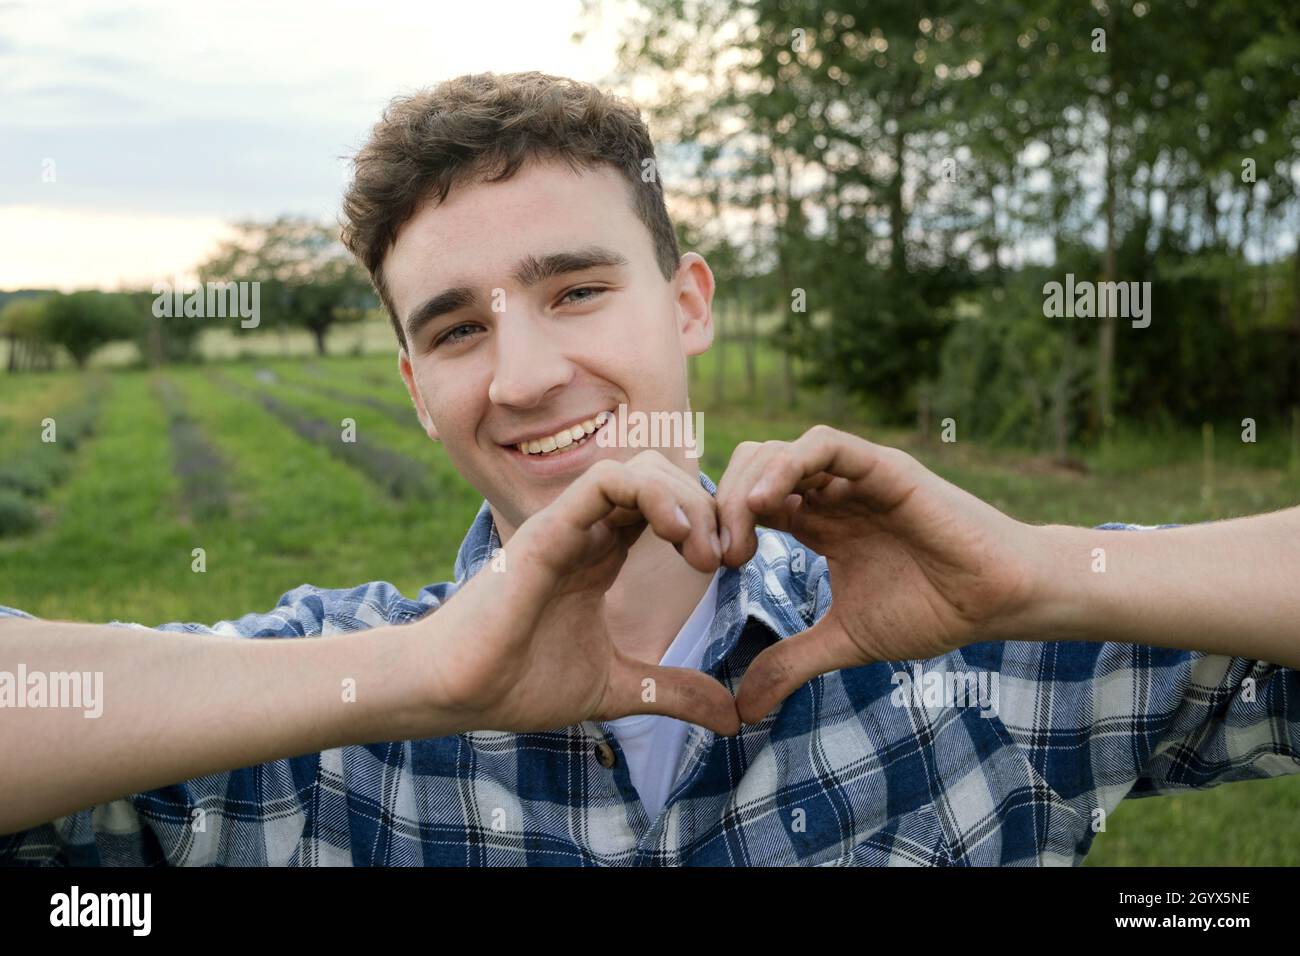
1067 602
1055 595
382 682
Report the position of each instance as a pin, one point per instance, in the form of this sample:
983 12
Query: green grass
118 539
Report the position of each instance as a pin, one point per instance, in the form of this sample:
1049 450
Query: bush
17 514
83 321
1007 374
33 475
32 472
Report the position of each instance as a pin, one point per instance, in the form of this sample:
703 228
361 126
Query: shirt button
605 755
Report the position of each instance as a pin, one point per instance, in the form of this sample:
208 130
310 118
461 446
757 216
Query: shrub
17 514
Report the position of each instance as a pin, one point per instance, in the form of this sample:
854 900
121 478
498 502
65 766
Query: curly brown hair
487 125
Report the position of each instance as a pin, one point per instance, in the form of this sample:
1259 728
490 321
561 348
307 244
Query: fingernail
717 548
682 520
726 538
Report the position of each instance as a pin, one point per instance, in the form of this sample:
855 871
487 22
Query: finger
702 547
621 517
783 518
605 489
681 692
736 519
660 497
882 477
790 663
814 483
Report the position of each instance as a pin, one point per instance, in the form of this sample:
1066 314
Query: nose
529 362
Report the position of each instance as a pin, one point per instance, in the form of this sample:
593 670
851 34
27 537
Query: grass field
222 457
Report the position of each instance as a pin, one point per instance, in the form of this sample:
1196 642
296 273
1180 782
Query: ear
404 366
694 282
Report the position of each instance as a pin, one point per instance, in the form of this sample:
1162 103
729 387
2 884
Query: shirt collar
763 589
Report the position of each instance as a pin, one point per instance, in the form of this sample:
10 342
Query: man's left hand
918 566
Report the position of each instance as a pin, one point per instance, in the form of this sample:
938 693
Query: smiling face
530 307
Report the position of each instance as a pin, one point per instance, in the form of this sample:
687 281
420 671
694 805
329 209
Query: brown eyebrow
528 272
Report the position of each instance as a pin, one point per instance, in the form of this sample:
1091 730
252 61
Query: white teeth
562 439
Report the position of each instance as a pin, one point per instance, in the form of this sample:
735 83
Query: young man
516 715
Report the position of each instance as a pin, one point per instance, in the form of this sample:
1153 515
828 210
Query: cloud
238 109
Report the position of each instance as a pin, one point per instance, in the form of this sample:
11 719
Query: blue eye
451 336
586 288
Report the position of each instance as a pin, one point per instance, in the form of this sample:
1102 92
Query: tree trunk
897 213
318 333
923 412
720 354
156 343
1106 337
1061 403
1294 377
1211 215
791 392
782 207
751 347
836 390
994 239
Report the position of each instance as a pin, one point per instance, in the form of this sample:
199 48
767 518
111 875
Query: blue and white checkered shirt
1000 753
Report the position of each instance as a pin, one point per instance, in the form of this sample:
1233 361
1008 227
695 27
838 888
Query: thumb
681 692
790 663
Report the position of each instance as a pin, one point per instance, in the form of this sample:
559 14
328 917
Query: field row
195 460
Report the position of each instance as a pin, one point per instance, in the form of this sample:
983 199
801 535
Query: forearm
177 706
1227 587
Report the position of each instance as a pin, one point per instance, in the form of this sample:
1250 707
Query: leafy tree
83 322
167 338
920 169
307 278
23 324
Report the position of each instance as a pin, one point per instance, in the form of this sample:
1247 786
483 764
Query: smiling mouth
572 437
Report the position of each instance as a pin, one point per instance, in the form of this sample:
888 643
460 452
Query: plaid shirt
848 771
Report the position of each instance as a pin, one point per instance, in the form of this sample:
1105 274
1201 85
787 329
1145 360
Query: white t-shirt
652 744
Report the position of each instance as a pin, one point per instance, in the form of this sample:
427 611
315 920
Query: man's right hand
524 646
521 649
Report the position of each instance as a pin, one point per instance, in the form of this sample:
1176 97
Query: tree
900 161
307 277
85 321
22 323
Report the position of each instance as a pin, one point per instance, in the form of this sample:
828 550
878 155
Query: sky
131 135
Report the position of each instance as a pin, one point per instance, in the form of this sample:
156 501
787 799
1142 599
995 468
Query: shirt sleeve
254 816
1117 719
309 611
